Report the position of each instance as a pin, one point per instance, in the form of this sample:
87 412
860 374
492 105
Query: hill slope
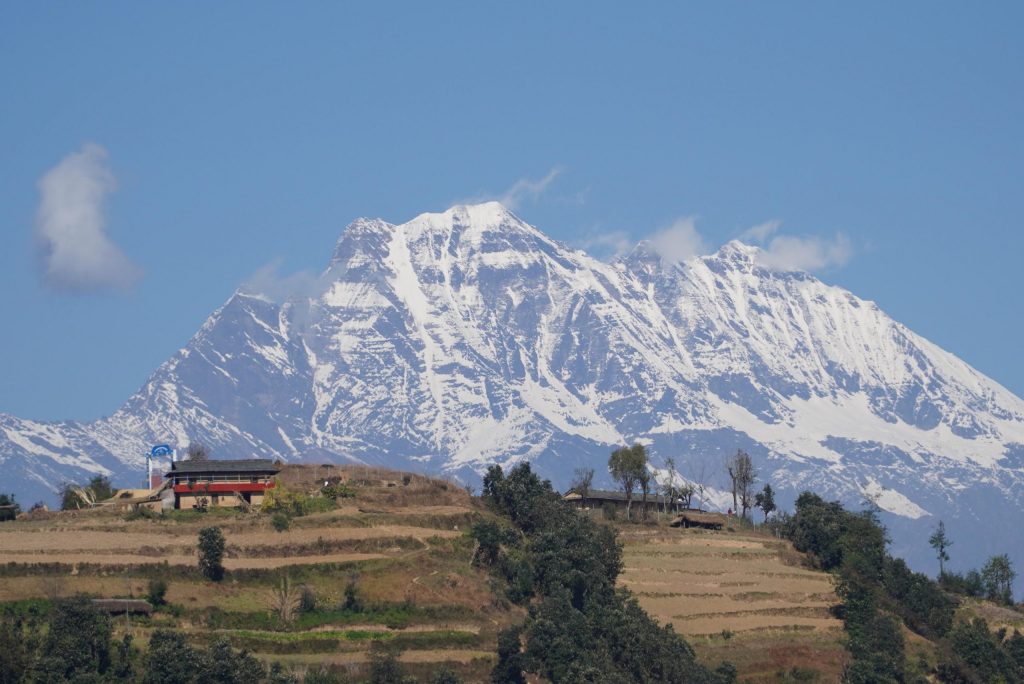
467 337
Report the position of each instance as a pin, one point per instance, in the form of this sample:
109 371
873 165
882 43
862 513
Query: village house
597 498
202 483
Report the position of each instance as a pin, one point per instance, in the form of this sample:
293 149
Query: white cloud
77 255
678 242
269 282
528 189
811 253
524 189
606 245
761 232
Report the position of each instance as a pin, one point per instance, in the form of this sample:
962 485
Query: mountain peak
737 251
482 215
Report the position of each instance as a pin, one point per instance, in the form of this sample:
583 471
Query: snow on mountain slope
467 337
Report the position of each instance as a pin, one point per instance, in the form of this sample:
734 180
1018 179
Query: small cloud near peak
523 190
807 253
678 242
76 254
759 233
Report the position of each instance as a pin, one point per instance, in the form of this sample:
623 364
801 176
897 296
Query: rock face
468 337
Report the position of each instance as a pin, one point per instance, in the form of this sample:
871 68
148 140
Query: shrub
353 601
280 499
157 591
211 553
337 491
609 511
307 600
280 522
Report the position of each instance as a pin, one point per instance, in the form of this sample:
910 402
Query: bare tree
742 476
686 492
645 488
197 451
284 600
583 477
669 489
700 484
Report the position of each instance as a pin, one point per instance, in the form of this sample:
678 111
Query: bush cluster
580 628
879 592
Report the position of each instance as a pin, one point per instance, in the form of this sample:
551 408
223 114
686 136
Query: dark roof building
220 467
597 498
239 482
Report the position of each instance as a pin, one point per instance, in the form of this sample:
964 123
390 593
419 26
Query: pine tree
940 542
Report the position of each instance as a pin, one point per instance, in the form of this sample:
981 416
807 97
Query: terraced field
737 596
401 541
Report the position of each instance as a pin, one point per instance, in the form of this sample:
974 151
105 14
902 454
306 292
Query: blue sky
237 134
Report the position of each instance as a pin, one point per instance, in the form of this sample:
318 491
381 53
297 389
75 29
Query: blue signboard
160 450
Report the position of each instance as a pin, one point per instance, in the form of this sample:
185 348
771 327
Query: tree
384 666
669 489
197 451
211 553
284 600
940 542
74 497
9 508
157 591
685 494
101 488
77 643
742 475
627 466
997 577
645 488
765 500
582 479
509 668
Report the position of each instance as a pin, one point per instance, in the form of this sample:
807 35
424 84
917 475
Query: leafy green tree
211 553
765 500
940 542
997 576
123 668
445 676
172 660
580 627
509 668
974 654
101 488
157 591
384 667
9 508
17 648
77 642
224 665
489 536
628 467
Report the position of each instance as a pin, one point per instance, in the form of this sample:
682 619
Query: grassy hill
325 582
399 541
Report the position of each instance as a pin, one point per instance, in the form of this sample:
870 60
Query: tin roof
213 466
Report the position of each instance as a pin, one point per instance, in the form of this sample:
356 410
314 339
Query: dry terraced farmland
400 540
738 596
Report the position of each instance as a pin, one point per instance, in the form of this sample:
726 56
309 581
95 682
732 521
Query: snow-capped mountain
468 337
